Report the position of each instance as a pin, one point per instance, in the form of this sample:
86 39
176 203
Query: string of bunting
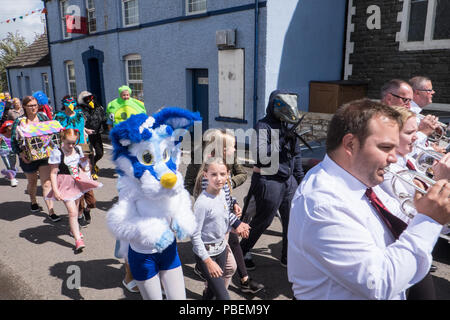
42 11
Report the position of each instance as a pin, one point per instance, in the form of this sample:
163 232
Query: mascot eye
147 158
166 156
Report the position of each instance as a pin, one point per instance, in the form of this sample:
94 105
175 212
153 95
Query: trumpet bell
404 185
426 159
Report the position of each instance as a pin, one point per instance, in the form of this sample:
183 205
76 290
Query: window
91 20
425 25
130 12
45 86
63 4
195 6
71 81
133 67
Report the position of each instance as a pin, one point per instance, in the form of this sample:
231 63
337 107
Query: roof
35 55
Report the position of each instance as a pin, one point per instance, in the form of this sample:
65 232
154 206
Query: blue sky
27 26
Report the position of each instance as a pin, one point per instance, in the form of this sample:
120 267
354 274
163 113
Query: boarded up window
231 83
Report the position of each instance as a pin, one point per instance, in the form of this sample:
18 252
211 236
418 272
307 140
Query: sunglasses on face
405 100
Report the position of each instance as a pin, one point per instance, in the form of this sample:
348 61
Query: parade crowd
361 224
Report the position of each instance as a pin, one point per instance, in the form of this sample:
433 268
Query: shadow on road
106 205
107 173
50 232
14 210
96 274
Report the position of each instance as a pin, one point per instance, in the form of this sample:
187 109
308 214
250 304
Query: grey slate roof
35 55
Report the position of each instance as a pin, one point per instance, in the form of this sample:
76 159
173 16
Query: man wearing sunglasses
398 92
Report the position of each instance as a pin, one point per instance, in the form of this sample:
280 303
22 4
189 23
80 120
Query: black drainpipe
50 55
255 71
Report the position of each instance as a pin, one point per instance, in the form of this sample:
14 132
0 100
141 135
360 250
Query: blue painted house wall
305 42
171 44
19 87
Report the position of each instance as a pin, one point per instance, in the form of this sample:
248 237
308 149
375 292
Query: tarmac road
37 259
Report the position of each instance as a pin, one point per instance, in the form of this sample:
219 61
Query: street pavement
37 260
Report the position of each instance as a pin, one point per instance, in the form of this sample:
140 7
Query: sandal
131 286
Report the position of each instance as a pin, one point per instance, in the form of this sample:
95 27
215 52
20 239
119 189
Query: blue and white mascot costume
153 206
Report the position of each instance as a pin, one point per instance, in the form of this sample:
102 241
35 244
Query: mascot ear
132 130
176 118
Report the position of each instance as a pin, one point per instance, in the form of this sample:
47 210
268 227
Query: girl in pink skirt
69 180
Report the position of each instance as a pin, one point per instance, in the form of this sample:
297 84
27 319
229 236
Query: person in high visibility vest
122 108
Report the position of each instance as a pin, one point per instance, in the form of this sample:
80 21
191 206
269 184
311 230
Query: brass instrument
407 177
426 158
440 134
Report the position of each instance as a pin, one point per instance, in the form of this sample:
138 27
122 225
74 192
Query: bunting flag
11 20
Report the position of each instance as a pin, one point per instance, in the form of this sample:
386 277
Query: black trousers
423 290
233 242
216 286
96 142
270 195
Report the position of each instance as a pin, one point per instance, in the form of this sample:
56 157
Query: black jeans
270 195
96 142
422 290
233 242
216 286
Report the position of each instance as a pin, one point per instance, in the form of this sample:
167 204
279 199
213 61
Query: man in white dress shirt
339 247
422 93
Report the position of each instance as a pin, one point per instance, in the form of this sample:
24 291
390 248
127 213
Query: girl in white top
213 223
69 182
408 136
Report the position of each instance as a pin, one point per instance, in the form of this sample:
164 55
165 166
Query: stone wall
376 57
318 122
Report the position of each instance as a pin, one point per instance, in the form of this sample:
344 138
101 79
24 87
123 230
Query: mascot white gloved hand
153 206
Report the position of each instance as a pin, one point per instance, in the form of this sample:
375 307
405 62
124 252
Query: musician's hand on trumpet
438 148
441 168
435 203
428 125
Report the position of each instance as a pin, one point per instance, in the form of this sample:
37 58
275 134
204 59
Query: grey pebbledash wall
377 59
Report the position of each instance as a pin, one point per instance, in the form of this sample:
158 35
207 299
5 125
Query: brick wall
376 57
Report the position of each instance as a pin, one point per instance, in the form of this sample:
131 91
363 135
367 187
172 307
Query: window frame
132 57
69 81
428 43
123 13
65 34
45 84
188 13
91 10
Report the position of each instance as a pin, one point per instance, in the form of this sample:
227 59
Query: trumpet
407 177
440 133
426 158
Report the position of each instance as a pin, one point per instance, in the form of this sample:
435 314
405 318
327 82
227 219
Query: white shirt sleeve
347 253
81 151
55 157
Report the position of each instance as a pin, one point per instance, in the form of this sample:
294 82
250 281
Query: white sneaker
14 182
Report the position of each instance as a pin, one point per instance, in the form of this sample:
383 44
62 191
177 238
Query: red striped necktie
394 224
410 165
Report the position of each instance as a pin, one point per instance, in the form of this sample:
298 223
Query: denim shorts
33 166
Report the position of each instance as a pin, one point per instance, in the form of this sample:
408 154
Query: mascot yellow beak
91 103
70 106
168 180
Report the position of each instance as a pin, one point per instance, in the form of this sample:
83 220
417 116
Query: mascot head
146 149
41 98
86 98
